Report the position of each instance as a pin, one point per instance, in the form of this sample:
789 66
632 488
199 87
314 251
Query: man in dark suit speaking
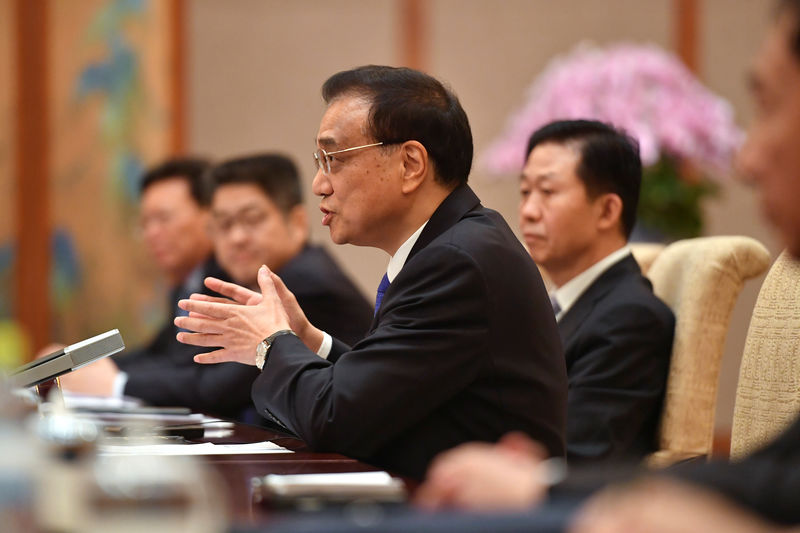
579 192
463 345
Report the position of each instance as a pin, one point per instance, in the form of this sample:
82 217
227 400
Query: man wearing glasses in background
256 217
463 345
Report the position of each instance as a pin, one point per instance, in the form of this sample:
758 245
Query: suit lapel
461 201
584 305
458 203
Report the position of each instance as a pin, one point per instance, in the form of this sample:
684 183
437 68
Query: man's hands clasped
235 325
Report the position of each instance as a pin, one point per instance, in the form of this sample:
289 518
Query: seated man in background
579 193
256 218
173 220
463 346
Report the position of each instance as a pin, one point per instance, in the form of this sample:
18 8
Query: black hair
410 105
794 7
190 169
609 160
276 175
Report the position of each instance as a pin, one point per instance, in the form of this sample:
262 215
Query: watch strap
264 347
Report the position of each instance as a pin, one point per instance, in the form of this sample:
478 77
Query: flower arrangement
687 135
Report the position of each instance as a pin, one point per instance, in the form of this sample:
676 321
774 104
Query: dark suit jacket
464 347
766 482
617 341
164 348
169 376
327 296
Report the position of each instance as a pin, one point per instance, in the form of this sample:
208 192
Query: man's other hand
486 477
96 378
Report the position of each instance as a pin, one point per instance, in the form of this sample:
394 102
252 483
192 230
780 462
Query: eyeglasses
323 158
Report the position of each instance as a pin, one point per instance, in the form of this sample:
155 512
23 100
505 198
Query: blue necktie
381 290
182 293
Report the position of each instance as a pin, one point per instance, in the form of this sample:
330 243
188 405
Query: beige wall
256 67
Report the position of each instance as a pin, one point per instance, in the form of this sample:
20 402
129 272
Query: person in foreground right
759 493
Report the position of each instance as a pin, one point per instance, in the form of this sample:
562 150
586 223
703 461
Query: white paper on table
206 448
342 478
344 485
83 401
193 418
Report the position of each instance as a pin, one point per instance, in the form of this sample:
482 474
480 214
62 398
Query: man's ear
297 220
610 211
415 165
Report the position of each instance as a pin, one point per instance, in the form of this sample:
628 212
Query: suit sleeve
428 345
767 482
337 349
163 343
222 389
616 382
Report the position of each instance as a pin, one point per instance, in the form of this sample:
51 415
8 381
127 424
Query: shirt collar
568 294
399 258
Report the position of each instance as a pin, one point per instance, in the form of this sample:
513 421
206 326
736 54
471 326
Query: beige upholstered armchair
768 393
645 253
699 279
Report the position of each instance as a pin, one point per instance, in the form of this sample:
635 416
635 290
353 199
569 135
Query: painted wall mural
110 80
116 78
12 346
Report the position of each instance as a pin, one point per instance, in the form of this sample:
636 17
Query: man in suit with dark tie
173 217
463 346
579 191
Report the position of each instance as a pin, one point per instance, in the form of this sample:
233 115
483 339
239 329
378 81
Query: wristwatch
262 350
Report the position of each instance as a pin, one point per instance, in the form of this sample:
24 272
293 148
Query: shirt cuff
325 348
118 389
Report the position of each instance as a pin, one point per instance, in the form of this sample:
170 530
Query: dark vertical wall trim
32 171
414 34
687 27
178 91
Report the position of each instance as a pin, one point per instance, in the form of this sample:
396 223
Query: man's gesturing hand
234 328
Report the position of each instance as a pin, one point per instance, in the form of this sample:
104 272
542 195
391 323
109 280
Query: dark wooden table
236 471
